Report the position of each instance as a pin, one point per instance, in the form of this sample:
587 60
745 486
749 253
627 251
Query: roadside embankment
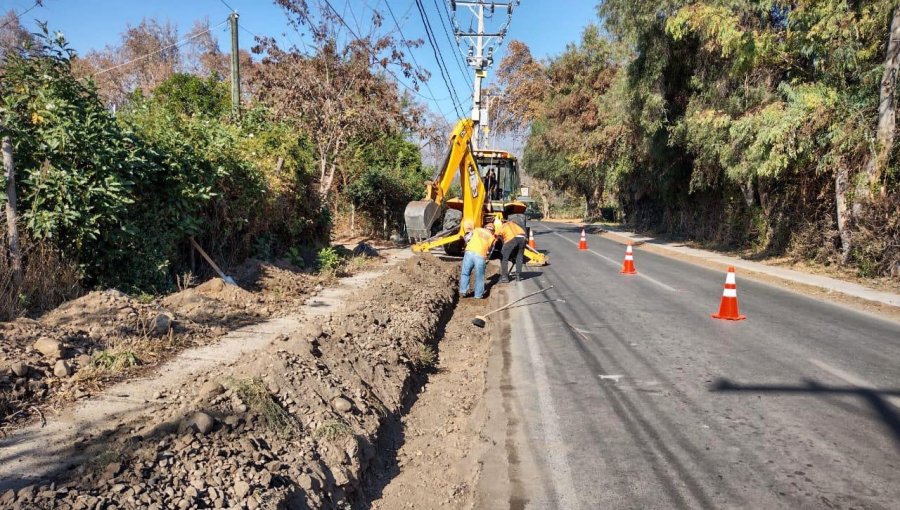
293 425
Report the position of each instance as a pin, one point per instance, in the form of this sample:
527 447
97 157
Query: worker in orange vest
514 239
479 243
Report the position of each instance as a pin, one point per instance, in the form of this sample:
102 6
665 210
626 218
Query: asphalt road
629 395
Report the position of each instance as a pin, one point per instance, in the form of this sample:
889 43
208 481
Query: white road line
561 473
851 379
613 262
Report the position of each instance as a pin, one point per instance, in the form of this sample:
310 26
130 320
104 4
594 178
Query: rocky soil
293 426
438 445
105 336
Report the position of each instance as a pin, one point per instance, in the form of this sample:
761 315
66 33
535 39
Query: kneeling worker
514 239
479 242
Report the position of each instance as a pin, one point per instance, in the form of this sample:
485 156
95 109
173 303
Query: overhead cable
432 40
173 45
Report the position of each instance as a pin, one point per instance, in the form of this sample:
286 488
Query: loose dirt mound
217 304
71 350
282 285
293 426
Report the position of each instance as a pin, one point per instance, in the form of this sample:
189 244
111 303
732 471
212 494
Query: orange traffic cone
628 265
582 244
728 309
531 243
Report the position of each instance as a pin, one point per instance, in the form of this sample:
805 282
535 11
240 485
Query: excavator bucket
420 216
535 258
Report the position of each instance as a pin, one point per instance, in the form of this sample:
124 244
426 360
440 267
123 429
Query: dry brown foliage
47 281
338 90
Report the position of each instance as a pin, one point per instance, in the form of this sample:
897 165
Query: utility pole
12 217
235 65
481 51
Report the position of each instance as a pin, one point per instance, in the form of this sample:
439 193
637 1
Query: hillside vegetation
121 158
766 125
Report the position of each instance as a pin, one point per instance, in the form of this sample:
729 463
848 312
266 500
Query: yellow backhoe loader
476 203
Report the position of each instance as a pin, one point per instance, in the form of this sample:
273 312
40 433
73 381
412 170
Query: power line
173 45
406 42
26 11
456 54
251 32
341 18
438 57
354 34
230 8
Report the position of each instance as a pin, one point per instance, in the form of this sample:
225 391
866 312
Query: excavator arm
421 215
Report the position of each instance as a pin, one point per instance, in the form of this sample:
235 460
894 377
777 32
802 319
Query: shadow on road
875 398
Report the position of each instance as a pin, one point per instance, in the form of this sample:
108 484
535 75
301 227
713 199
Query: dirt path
438 444
38 451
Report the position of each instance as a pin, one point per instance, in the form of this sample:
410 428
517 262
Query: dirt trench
431 457
296 425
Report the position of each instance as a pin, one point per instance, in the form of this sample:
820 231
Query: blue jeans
472 261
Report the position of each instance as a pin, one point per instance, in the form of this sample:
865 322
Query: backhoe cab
489 185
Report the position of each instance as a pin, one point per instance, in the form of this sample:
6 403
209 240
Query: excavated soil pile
217 304
283 287
43 361
292 426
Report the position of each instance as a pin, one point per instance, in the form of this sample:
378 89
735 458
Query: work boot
504 279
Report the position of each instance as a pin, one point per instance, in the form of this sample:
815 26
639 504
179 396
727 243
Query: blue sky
92 24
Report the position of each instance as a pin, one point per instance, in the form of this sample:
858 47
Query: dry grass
254 393
47 281
333 429
425 355
121 356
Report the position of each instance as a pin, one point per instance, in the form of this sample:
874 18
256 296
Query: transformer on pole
480 55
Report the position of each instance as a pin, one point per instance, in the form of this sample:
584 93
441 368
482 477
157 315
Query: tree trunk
844 218
15 251
323 167
749 192
887 119
594 202
326 173
352 220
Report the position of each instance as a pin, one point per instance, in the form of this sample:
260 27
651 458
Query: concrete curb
756 270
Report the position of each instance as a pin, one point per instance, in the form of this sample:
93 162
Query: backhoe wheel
456 248
518 219
452 219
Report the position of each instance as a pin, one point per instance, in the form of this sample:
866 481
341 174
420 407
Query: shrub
119 196
328 259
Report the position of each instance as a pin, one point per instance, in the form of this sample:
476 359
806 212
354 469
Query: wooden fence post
15 250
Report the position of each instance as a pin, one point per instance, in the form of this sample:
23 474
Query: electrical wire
341 19
354 34
438 57
230 8
26 11
406 42
251 32
173 45
458 54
